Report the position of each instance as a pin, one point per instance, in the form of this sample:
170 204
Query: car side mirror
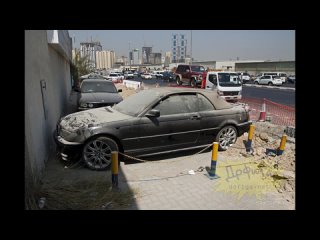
119 90
153 113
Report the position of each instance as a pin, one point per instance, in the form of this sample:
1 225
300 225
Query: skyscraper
179 48
146 51
90 49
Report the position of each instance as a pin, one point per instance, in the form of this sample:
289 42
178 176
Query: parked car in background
153 121
291 79
190 74
168 76
114 77
268 80
128 75
244 77
281 75
97 93
146 76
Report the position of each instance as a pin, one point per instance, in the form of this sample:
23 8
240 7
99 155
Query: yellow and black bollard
212 171
250 136
282 144
114 169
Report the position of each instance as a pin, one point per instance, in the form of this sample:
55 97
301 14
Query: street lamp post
129 58
191 49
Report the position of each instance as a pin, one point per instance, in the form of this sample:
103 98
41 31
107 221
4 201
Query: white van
228 84
281 75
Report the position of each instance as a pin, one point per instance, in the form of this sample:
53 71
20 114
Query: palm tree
80 66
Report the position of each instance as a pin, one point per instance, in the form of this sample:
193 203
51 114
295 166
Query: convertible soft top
212 95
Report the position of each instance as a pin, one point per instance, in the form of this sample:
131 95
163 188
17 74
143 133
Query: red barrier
277 113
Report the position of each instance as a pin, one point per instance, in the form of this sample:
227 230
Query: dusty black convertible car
153 121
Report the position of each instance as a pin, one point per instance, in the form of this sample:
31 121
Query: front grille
102 104
231 93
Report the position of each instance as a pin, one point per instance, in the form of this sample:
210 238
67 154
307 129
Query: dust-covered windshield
229 79
99 86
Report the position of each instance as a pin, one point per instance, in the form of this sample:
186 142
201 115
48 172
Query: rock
259 151
287 187
288 174
246 155
263 136
271 154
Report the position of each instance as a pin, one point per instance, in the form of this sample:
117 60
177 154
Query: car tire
96 153
178 81
226 136
270 84
193 83
256 82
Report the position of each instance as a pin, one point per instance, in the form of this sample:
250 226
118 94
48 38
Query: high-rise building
167 59
179 48
134 56
146 51
105 59
90 49
155 58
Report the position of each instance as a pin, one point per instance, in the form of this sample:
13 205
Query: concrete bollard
114 169
282 144
250 136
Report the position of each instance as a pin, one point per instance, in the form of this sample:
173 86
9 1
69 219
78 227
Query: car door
178 125
210 120
186 74
264 79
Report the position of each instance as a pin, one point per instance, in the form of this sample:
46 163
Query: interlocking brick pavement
166 184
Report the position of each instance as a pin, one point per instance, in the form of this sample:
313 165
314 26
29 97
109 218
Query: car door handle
195 117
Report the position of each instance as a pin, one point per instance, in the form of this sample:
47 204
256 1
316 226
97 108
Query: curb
259 86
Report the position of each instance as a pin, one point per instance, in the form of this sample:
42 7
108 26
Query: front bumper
67 150
243 127
235 97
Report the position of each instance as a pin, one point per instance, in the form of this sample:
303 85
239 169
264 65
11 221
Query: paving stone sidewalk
166 185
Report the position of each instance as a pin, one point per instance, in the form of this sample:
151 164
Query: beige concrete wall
42 62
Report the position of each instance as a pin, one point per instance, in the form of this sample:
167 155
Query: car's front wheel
226 137
193 83
178 81
270 83
97 152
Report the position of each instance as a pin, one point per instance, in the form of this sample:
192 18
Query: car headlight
90 105
220 93
83 105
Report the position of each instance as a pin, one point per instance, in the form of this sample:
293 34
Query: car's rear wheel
256 82
226 137
97 153
178 81
270 83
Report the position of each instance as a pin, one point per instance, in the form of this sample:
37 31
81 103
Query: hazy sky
206 44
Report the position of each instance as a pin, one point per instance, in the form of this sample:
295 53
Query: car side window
204 103
213 79
176 104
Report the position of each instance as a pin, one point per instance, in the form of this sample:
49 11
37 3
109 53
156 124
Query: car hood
90 118
100 97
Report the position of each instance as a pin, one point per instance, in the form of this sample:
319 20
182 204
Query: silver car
98 93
